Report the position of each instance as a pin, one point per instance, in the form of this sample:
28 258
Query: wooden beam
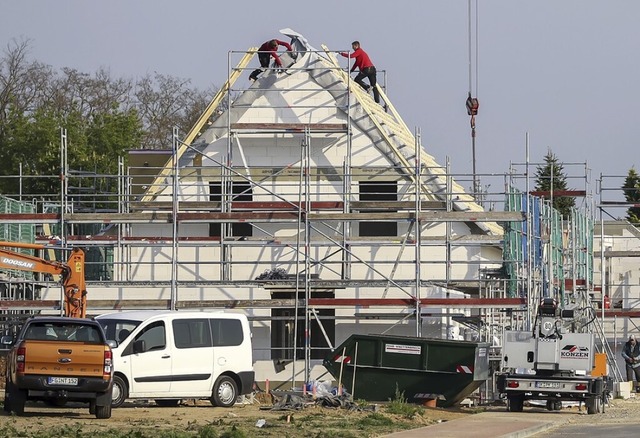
290 127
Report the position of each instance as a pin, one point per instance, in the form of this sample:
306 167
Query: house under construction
317 212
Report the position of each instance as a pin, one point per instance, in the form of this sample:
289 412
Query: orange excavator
71 273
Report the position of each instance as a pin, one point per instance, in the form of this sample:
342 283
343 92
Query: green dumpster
376 367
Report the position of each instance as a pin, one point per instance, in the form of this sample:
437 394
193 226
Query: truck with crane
552 363
55 359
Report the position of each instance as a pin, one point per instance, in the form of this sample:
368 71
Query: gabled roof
386 129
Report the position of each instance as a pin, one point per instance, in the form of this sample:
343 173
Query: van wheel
103 411
119 393
168 403
225 392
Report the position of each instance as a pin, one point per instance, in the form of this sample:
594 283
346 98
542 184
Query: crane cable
472 103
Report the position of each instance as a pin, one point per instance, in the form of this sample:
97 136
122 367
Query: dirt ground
193 418
200 419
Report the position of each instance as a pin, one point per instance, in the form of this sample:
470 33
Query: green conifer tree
550 177
631 189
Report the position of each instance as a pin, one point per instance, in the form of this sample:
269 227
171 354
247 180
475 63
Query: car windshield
118 329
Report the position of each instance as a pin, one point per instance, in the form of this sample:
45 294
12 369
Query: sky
549 75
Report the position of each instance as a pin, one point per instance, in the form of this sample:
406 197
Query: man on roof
365 67
265 52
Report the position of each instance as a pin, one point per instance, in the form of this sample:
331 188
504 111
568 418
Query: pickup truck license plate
70 381
553 385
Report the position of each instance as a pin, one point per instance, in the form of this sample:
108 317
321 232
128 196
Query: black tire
120 392
225 392
557 406
7 403
550 405
168 403
92 407
18 398
515 404
594 405
103 412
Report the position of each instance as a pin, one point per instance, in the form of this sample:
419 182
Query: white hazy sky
565 72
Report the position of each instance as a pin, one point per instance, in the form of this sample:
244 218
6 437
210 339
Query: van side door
149 359
231 353
193 357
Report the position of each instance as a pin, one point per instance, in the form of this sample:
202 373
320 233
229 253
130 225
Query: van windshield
118 329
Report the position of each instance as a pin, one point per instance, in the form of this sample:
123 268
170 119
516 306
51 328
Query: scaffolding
315 243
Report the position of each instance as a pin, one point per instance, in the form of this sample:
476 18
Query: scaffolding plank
558 193
253 216
620 253
429 216
284 205
271 303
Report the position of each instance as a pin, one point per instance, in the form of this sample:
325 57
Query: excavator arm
71 273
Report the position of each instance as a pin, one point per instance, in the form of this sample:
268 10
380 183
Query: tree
104 116
631 189
550 177
164 102
22 82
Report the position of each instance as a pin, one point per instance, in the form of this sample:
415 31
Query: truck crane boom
71 272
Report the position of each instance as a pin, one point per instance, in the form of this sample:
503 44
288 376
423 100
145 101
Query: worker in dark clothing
365 67
631 355
265 52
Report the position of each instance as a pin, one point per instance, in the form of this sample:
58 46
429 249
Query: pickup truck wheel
168 403
17 400
515 404
103 411
225 392
120 392
7 402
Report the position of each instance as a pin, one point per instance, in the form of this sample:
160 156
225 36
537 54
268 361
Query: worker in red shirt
366 67
265 52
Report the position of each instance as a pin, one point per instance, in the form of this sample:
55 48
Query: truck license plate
69 381
553 385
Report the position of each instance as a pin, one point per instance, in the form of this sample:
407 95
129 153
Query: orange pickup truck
59 359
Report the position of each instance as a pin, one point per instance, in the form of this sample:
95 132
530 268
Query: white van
169 355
